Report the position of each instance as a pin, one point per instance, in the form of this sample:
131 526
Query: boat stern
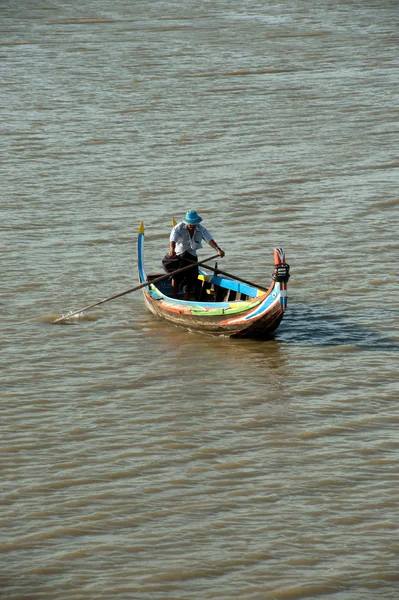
281 275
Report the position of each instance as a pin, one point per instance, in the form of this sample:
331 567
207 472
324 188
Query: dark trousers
188 279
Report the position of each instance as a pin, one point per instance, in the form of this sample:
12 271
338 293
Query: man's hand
221 252
172 249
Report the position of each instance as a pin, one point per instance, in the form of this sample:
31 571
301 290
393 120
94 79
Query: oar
138 287
217 271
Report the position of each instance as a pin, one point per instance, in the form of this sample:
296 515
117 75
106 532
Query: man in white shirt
185 240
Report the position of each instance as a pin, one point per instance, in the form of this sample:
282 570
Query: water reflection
320 325
248 368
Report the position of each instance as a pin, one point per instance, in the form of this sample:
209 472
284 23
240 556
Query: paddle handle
217 271
138 287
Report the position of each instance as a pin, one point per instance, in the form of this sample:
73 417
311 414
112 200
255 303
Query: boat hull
242 325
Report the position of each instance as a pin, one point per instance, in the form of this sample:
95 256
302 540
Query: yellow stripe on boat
240 304
141 228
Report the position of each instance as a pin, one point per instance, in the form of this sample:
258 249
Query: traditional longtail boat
225 305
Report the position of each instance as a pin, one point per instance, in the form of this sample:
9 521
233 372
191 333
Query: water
140 460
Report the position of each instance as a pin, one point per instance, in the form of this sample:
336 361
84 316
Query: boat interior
212 288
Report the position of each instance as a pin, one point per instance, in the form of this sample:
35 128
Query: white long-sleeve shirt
184 242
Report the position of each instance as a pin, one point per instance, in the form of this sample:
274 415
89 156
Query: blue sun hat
192 218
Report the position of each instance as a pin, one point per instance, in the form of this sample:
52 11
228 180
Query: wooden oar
138 287
217 271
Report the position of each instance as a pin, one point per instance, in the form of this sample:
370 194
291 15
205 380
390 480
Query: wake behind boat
224 305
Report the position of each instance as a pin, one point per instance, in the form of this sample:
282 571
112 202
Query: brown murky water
140 461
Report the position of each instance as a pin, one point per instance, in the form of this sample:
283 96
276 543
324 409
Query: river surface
141 461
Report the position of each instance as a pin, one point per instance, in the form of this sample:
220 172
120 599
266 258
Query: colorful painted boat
225 305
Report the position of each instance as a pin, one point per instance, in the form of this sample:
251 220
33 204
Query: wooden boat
225 306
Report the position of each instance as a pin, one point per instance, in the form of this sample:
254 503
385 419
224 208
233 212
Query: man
185 240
